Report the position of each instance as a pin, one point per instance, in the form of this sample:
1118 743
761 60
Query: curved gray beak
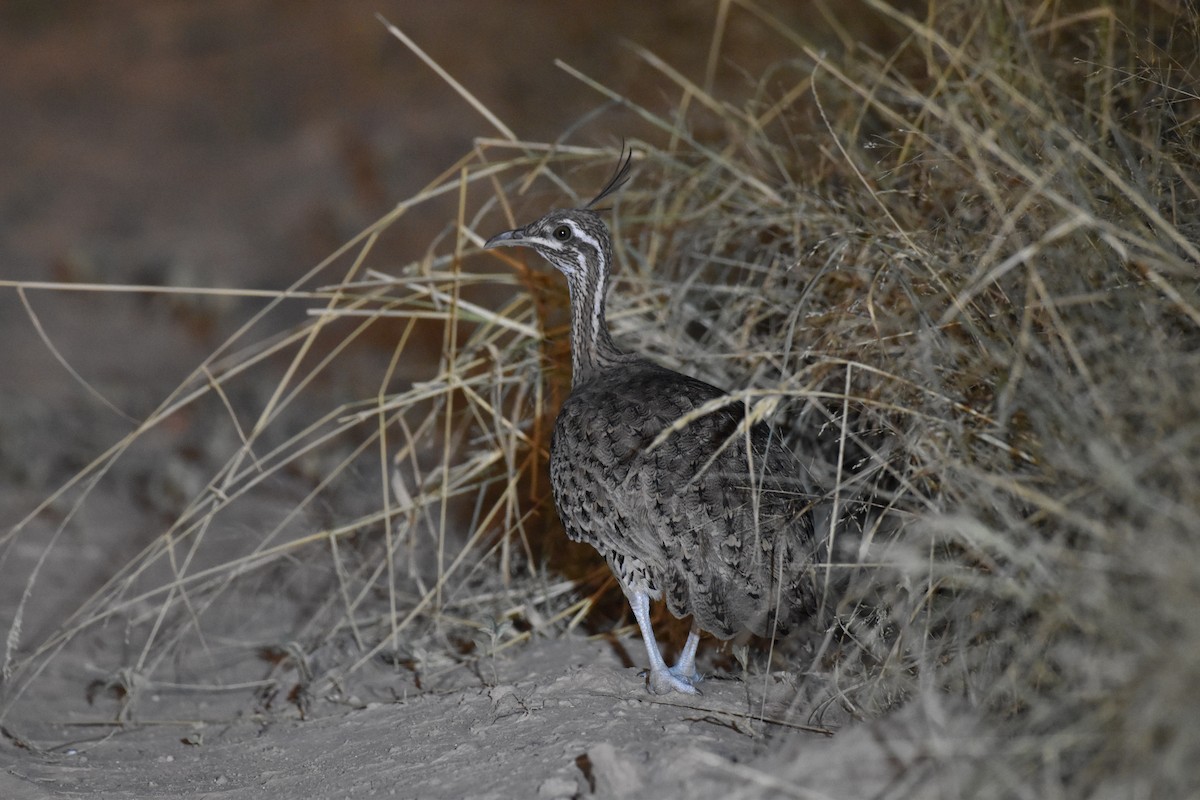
506 239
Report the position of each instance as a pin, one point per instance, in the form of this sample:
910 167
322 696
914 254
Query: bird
712 515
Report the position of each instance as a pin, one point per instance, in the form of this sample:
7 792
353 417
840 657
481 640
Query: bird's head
575 240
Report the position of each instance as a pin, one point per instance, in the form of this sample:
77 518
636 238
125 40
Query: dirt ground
236 144
560 719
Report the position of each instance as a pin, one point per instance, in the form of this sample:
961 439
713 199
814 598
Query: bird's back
715 518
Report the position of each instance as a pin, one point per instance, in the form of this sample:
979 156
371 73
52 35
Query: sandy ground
559 719
235 144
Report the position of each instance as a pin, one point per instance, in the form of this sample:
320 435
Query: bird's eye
563 233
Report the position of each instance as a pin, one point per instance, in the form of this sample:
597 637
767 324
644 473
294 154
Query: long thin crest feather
619 178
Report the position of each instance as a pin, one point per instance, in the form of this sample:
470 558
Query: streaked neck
592 347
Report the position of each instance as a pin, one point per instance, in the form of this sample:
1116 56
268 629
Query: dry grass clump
961 271
1000 242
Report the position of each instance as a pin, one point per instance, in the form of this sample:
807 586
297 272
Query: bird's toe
689 676
665 681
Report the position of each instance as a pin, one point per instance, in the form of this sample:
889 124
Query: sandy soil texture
565 719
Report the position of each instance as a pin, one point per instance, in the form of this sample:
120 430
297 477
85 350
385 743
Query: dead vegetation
961 271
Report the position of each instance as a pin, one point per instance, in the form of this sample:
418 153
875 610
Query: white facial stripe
597 302
584 236
578 233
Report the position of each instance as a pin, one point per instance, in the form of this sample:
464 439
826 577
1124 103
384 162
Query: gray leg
662 680
685 667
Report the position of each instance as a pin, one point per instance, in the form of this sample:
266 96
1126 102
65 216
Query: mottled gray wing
715 517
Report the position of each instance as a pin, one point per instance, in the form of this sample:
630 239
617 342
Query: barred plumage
715 519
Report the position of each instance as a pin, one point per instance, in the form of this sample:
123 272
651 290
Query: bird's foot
687 674
665 681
